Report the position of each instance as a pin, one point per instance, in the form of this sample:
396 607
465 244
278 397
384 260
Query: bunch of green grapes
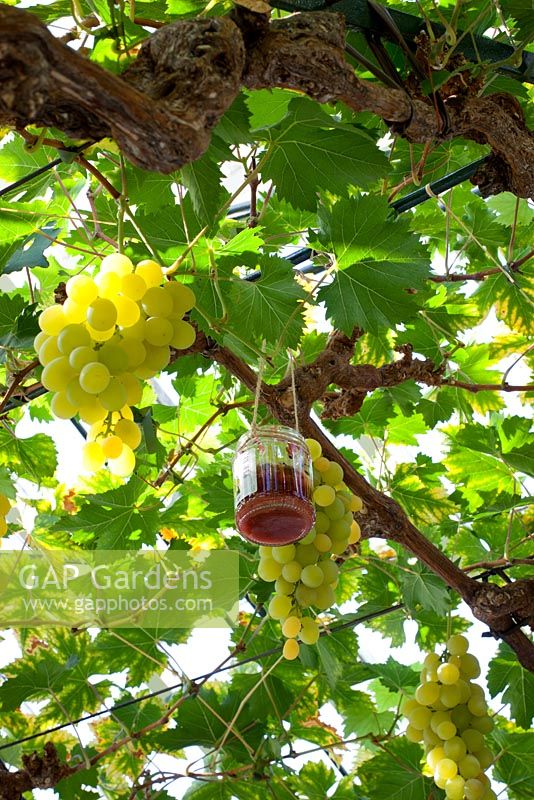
113 332
449 716
304 574
5 506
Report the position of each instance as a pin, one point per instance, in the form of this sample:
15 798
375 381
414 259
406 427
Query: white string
294 390
261 367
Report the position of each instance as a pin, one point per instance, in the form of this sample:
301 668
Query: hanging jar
273 486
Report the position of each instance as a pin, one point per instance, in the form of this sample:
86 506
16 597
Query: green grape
281 586
135 332
305 596
183 336
334 474
340 529
446 730
129 432
102 314
437 718
112 355
101 336
314 448
109 284
483 724
157 302
74 312
94 377
81 289
455 748
435 755
284 554
450 695
39 340
157 357
310 537
269 569
71 337
124 465
408 704
60 406
469 666
116 262
128 312
325 597
490 795
477 706
431 739
112 446
439 781
446 769
291 627
279 606
49 351
474 789
469 766
454 788
338 546
473 739
113 397
322 523
457 645
80 357
52 320
182 296
93 457
336 510
322 542
133 389
461 717
92 412
485 757
306 554
330 570
309 633
291 571
356 504
431 661
265 551
158 331
427 693
312 576
448 674
134 352
324 496
476 691
57 375
291 649
413 735
355 533
465 691
76 395
133 286
420 717
150 272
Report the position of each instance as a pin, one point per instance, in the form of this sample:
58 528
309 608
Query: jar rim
290 433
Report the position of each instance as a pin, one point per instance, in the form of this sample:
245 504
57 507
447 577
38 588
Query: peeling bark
161 111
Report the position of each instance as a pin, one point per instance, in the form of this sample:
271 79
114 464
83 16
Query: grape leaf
506 675
34 458
395 774
422 588
395 676
511 767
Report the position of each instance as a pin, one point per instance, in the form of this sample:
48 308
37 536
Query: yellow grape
150 272
118 263
291 649
284 554
321 464
420 718
92 412
448 674
269 569
113 397
61 407
52 320
101 314
109 284
57 374
93 457
182 296
158 331
135 352
112 355
474 789
325 597
330 570
129 432
81 356
433 758
427 693
75 313
184 335
309 632
101 336
49 351
124 465
128 312
356 503
446 730
314 448
324 495
279 606
133 286
312 576
133 389
454 788
81 289
291 571
470 667
157 357
413 735
94 377
322 542
291 627
455 748
355 533
446 769
457 645
281 586
333 474
112 446
5 505
469 767
157 302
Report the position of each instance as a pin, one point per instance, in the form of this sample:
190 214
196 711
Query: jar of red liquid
273 486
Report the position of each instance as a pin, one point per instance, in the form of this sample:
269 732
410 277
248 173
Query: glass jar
273 486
